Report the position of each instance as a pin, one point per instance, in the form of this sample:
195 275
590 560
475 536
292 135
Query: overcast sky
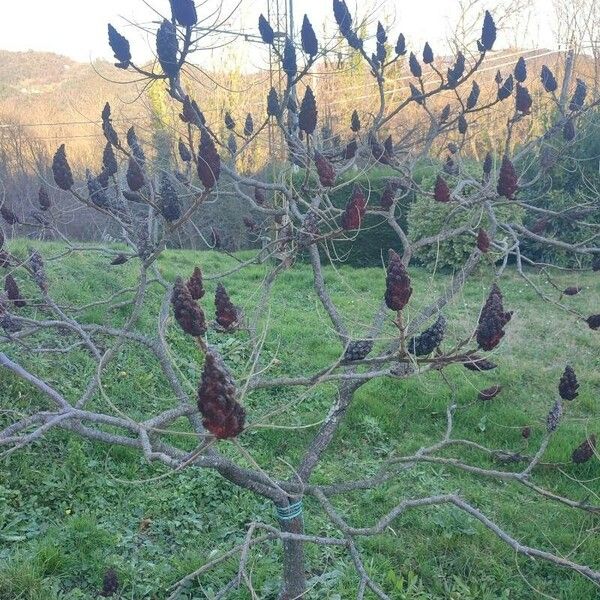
77 28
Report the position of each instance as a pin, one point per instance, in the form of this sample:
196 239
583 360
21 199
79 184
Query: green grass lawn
69 508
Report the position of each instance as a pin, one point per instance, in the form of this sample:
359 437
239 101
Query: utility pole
281 19
564 91
292 36
291 21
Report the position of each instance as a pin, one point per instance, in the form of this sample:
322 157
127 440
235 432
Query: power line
400 89
386 92
64 123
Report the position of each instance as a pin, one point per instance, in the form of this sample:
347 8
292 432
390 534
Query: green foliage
572 206
369 246
586 148
571 183
427 217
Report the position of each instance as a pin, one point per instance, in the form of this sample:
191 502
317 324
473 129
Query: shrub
368 246
564 226
427 217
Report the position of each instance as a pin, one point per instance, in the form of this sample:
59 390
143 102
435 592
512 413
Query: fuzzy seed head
188 313
483 241
585 451
167 48
61 169
209 161
397 283
227 314
307 118
355 210
492 320
441 191
195 284
222 415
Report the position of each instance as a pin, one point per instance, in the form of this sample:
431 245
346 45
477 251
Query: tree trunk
294 577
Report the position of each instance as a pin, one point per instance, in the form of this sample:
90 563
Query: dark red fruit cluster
135 175
120 259
377 149
167 48
355 210
250 224
61 169
109 161
350 150
209 161
355 122
507 179
584 452
9 215
170 206
184 12
492 320
195 284
187 312
248 125
307 118
325 170
260 197
397 283
568 386
120 46
523 100
483 241
223 416
389 194
13 292
358 349
593 322
184 152
136 148
441 191
427 341
273 108
191 112
110 583
107 127
579 95
227 315
44 198
229 122
487 166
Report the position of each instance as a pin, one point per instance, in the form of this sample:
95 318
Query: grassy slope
70 508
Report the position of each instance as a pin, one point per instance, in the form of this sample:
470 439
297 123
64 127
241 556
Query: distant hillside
32 72
41 87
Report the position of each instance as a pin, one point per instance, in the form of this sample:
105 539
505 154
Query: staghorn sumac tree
149 204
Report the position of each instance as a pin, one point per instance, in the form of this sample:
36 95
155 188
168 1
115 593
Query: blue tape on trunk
287 513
